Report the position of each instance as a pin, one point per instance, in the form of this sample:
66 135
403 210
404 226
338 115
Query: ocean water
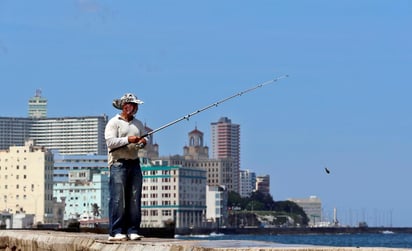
390 240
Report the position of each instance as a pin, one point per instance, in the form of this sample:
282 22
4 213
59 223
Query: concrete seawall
26 240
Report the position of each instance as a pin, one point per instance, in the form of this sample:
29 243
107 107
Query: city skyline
349 217
345 105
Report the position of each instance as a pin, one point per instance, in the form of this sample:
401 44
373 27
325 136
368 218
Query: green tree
292 209
264 202
265 199
255 205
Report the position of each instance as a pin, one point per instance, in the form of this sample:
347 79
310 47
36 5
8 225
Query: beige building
219 172
26 181
263 184
312 207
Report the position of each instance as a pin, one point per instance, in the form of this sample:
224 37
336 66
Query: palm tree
95 210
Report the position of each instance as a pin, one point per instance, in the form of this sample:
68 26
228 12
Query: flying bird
327 170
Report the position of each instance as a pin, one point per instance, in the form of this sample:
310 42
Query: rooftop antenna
38 93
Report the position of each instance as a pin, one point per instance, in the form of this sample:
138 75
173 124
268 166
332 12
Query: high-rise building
68 135
26 181
225 140
14 131
37 106
247 181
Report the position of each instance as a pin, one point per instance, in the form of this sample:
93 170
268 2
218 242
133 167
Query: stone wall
26 240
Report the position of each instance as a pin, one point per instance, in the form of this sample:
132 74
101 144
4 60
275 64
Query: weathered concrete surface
25 240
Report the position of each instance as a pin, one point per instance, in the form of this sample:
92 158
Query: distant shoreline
296 230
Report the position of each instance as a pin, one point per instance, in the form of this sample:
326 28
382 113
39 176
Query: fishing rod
215 104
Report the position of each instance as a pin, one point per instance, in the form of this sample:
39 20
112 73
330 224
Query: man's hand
133 139
141 142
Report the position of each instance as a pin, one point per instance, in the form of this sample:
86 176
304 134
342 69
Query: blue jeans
125 197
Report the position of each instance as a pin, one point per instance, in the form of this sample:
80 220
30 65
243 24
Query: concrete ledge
26 240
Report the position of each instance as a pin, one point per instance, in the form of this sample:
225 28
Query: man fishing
123 134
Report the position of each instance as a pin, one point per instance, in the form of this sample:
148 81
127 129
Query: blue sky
346 104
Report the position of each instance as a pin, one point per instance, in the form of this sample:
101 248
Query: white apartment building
216 201
71 135
247 182
68 135
26 181
173 194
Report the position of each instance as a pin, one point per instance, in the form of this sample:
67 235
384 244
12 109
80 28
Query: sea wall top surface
25 240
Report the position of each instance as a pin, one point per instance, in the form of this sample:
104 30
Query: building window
166 212
153 213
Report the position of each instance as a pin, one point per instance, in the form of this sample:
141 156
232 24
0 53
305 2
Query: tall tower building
37 106
225 140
